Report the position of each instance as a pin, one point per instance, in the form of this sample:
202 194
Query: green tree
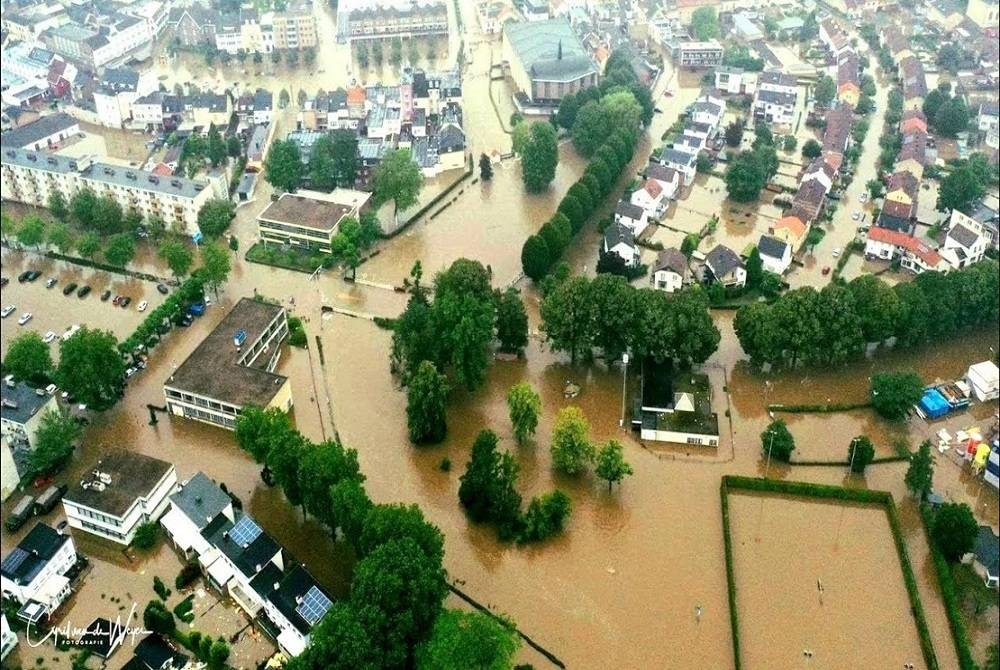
28 358
487 491
218 654
777 441
54 441
234 147
82 206
397 178
485 168
611 464
120 249
396 55
32 231
8 226
705 24
951 118
591 128
825 90
390 522
546 516
215 265
158 619
954 530
468 640
215 215
89 245
177 256
960 190
426 401
539 157
572 450
524 405
511 322
624 113
568 317
876 305
933 102
398 590
894 393
860 453
812 149
283 166
349 506
323 466
535 258
920 474
519 137
108 216
321 169
58 206
216 146
91 368
734 133
755 268
789 143
145 538
569 106
749 172
338 642
257 430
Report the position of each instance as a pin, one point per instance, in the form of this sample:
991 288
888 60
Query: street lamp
770 444
621 422
854 450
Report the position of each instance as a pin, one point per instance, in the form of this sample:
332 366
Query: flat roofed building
547 60
122 491
303 219
698 54
233 367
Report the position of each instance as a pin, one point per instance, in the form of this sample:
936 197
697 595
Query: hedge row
190 291
875 461
825 492
818 409
951 606
435 200
101 266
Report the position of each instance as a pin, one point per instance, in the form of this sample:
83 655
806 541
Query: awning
220 571
174 522
292 642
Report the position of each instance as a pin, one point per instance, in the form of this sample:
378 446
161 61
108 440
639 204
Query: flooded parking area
818 583
56 311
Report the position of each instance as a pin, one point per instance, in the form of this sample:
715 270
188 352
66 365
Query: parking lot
55 312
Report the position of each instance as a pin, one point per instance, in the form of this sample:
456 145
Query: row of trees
393 616
833 325
580 315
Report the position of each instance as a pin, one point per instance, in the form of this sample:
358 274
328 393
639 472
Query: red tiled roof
653 188
911 244
898 209
793 223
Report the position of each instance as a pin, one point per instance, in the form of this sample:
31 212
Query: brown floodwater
804 569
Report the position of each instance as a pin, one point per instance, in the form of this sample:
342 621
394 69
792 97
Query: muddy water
818 568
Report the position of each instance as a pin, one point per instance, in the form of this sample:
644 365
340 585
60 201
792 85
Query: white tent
984 378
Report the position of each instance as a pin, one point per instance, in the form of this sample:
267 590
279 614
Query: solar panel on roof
245 531
13 560
313 606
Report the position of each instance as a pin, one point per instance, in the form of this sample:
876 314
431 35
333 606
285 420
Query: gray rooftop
20 402
628 210
549 49
722 260
776 98
133 475
677 157
987 550
673 260
616 234
771 247
27 136
201 500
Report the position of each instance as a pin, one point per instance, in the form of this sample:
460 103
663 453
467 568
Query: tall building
547 60
386 19
30 177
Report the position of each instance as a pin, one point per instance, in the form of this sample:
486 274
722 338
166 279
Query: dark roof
706 106
249 557
155 653
628 210
120 79
420 86
26 136
302 211
661 173
101 638
451 138
897 209
990 108
291 599
897 223
549 49
20 402
616 234
809 198
771 247
215 102
963 235
657 383
32 553
987 550
263 100
673 260
678 157
777 78
776 97
201 500
213 369
133 475
905 182
838 128
722 260
567 68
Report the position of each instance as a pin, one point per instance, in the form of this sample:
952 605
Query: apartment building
101 42
29 177
233 367
123 490
34 574
386 19
294 28
25 25
117 91
304 219
41 133
698 54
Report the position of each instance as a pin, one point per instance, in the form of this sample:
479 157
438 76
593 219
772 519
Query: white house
821 171
684 163
33 574
726 267
8 639
775 255
633 217
735 81
619 240
666 177
988 122
984 381
123 490
965 242
708 109
914 255
41 133
779 82
649 197
670 272
774 107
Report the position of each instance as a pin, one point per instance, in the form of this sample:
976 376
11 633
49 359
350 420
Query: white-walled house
775 255
914 255
619 240
965 242
670 272
650 198
33 574
667 177
821 171
686 164
633 217
726 267
122 491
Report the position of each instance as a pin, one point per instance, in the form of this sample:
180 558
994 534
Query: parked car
105 296
33 275
50 282
7 311
826 270
129 372
83 292
21 513
49 337
836 252
142 306
50 498
51 389
4 281
69 288
183 320
162 288
23 277
70 332
25 318
117 301
196 309
126 301
856 216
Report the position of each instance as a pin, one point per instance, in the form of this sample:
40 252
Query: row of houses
32 74
246 30
382 20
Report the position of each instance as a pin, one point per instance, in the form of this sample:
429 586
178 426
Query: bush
954 530
296 333
545 517
183 609
188 574
160 588
146 536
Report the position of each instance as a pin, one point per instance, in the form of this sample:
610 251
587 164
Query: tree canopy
572 450
705 24
954 530
920 474
54 442
426 398
283 166
524 405
397 178
777 441
91 368
29 358
893 394
468 640
539 157
215 215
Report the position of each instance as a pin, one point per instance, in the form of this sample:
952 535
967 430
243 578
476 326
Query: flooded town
492 334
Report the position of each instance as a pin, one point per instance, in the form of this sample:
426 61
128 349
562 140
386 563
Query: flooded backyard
819 583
